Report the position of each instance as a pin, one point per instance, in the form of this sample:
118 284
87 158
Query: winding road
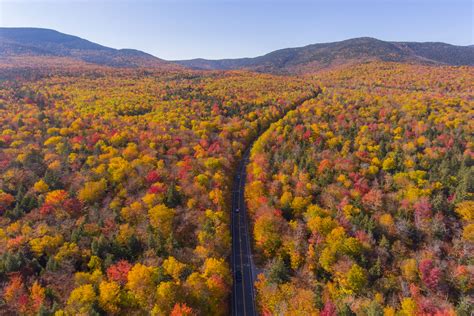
243 268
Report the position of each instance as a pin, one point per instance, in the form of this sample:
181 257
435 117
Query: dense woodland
115 189
362 198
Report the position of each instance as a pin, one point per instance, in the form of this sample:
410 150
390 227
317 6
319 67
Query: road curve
243 268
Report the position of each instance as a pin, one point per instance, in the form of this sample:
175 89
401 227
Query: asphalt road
243 298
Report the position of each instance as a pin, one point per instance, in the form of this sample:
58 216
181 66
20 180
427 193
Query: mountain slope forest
37 46
19 45
117 170
311 58
361 198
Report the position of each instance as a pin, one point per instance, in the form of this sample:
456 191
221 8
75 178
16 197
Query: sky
184 29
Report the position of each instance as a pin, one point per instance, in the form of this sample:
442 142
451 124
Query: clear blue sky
242 28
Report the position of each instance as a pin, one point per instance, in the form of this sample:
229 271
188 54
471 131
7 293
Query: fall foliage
361 198
115 185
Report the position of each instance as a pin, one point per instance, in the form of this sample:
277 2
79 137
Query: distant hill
317 56
34 42
42 45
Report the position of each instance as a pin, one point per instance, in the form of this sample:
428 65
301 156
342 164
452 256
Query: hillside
37 42
43 46
318 56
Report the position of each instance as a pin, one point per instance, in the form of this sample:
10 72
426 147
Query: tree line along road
243 268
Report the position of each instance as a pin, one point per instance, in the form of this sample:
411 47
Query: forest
115 189
115 184
361 199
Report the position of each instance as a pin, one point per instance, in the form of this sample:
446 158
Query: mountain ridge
324 55
48 43
27 42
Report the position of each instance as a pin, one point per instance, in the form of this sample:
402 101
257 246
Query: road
243 298
243 268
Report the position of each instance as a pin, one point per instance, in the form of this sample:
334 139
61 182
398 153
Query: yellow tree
174 268
92 191
81 300
161 218
141 283
109 297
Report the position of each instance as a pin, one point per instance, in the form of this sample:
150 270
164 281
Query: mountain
317 56
25 43
35 42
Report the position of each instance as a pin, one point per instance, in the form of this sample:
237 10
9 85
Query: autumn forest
116 188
